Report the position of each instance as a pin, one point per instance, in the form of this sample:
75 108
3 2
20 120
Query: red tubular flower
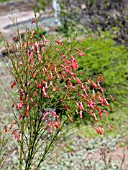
90 105
57 50
65 106
106 112
42 49
80 52
45 40
100 100
73 63
76 112
16 134
23 44
94 85
100 114
58 89
19 117
59 42
49 128
80 105
39 57
99 130
21 96
106 102
67 96
34 93
44 92
37 85
56 125
15 39
69 71
71 120
13 84
71 85
78 81
45 114
33 20
110 126
90 112
19 105
111 98
81 114
95 118
99 86
28 83
101 79
5 129
27 108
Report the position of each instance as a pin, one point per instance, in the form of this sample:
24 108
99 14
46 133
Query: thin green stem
47 150
21 145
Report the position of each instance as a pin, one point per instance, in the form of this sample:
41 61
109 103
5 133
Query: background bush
106 58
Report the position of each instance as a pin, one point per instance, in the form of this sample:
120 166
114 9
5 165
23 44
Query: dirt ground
17 6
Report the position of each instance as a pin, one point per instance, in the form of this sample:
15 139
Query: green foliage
107 59
41 4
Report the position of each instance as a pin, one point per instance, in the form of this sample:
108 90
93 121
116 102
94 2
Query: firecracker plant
50 93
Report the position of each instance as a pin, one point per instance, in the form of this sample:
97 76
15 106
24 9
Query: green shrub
108 59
